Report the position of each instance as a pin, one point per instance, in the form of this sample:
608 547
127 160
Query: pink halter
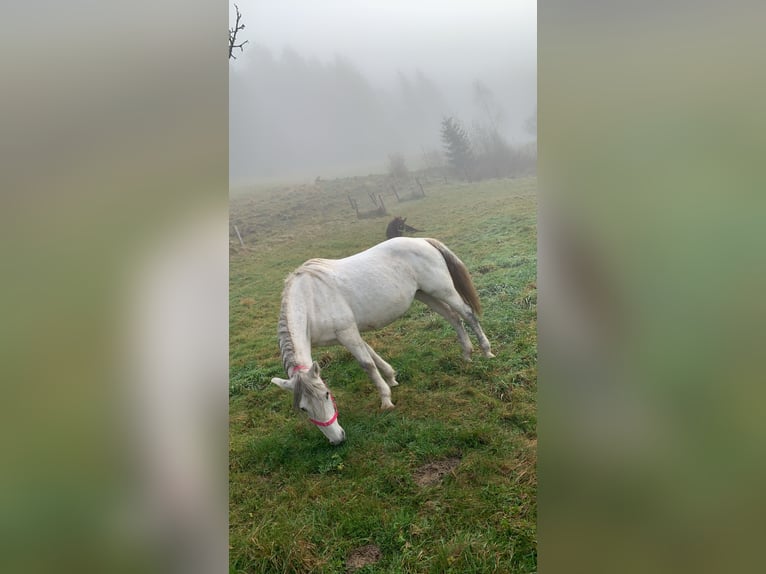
334 406
334 416
297 368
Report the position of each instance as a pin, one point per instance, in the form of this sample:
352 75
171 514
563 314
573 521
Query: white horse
329 301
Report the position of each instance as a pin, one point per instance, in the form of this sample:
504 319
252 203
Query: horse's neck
294 341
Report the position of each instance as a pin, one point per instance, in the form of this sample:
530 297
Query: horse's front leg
352 340
388 371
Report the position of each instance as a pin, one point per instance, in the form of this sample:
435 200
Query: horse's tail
461 278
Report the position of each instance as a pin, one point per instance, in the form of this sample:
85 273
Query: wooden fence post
354 205
242 243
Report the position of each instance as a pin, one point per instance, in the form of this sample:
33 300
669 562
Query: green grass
298 504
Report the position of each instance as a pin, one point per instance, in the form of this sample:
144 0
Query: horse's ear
286 384
315 370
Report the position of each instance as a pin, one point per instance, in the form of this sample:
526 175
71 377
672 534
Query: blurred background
336 87
651 314
113 298
114 181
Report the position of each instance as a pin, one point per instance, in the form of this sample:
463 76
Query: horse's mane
311 387
286 348
312 267
316 267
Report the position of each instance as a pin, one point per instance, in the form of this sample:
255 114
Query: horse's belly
369 301
381 299
324 336
370 319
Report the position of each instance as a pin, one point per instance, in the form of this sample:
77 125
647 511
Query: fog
332 88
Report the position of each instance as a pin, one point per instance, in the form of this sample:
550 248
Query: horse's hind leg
352 340
388 371
453 318
473 322
470 317
455 302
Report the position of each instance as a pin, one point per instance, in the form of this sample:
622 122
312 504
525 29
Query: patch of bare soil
362 556
433 472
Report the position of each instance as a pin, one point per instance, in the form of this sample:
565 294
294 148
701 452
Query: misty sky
452 43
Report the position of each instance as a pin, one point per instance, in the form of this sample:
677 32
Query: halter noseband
334 406
334 416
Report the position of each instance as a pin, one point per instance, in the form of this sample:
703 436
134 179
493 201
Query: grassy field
446 481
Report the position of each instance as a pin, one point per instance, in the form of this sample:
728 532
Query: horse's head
311 395
395 227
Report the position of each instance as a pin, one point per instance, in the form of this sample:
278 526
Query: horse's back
405 260
378 285
403 248
400 258
373 288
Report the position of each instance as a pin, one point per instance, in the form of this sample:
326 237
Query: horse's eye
327 395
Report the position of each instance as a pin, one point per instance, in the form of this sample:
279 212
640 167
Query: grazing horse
329 301
398 226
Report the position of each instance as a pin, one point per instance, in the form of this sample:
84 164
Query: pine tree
457 148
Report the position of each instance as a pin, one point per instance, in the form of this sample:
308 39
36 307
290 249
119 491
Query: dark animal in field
398 227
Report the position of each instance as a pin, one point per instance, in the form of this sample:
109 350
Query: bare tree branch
233 35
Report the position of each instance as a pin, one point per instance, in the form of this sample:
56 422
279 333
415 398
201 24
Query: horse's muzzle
341 441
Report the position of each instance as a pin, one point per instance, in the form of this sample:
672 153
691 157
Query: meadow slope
445 482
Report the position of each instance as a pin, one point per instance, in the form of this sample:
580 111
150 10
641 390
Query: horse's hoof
386 405
393 384
489 354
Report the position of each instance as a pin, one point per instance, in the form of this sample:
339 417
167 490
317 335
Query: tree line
291 114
